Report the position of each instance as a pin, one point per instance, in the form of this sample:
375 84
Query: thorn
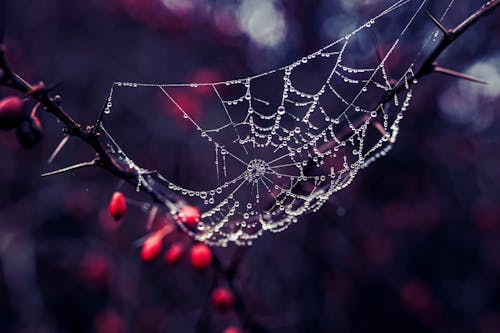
58 148
151 217
33 89
457 74
35 109
445 31
70 168
23 81
161 233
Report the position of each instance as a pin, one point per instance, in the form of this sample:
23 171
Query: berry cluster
13 116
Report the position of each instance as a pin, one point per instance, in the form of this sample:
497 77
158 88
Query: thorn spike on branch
151 217
117 206
58 148
445 31
201 256
189 215
453 73
71 167
222 298
11 112
151 248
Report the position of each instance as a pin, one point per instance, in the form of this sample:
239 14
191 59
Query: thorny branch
90 134
428 66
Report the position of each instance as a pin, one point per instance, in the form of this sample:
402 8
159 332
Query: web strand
278 157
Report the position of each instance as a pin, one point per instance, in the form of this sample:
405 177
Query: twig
58 148
428 66
71 168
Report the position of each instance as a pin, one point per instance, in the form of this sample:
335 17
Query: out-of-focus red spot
226 24
397 215
201 256
204 76
485 215
222 298
186 104
232 329
337 286
78 204
422 216
174 253
490 323
378 249
9 142
428 216
95 269
151 248
107 222
416 296
109 322
151 320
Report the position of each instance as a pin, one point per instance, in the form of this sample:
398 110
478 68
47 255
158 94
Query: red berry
174 253
117 206
222 298
189 215
201 256
232 329
11 112
151 248
29 132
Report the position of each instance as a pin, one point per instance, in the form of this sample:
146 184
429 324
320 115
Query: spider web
283 142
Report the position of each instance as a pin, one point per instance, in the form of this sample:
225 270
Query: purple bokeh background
413 245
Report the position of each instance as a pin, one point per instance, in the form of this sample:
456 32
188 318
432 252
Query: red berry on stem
11 112
201 256
151 248
174 253
232 329
117 206
189 215
222 298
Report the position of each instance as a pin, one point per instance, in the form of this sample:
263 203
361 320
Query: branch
449 36
428 66
90 134
71 168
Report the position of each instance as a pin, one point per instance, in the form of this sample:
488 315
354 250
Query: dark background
413 245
